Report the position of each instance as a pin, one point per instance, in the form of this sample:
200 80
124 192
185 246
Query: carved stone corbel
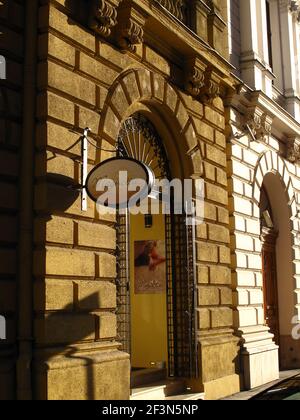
211 88
130 28
295 9
194 76
103 16
293 149
260 124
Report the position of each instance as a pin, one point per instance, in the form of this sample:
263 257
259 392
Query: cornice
284 124
264 117
172 31
197 67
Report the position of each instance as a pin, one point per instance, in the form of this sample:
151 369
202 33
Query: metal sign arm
84 168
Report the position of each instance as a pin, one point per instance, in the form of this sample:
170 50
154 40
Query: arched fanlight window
139 139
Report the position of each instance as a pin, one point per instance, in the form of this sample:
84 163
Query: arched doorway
278 276
155 282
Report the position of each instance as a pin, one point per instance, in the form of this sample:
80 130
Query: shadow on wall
66 329
79 10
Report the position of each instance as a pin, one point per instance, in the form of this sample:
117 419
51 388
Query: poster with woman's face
149 267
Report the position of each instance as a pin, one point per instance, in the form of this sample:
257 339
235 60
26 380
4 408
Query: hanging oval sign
120 182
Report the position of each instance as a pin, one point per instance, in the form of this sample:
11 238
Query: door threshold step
186 397
142 377
161 391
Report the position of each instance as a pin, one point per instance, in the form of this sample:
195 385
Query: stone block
221 317
241 205
98 375
53 295
96 295
216 194
223 215
222 177
220 139
254 262
113 55
208 296
245 316
202 274
218 233
219 275
207 252
56 230
224 255
214 117
64 328
96 235
107 326
91 119
50 45
107 265
210 211
201 231
244 242
54 164
64 262
157 61
215 155
71 83
91 66
204 130
256 296
209 171
204 319
51 105
241 170
226 296
59 21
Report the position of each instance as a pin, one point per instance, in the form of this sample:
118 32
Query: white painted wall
248 37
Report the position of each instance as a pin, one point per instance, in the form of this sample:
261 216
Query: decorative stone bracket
260 123
293 149
211 89
201 81
194 76
295 8
130 28
103 16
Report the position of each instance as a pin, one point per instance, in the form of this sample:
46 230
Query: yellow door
148 292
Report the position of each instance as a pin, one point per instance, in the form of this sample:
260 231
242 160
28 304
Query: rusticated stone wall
84 80
11 45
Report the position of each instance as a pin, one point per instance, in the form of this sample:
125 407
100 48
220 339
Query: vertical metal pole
84 169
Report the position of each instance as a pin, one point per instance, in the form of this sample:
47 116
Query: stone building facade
90 63
262 140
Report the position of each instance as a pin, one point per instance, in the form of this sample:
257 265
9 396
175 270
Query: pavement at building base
288 390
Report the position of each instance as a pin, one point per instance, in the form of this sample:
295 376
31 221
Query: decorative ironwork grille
123 282
185 297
